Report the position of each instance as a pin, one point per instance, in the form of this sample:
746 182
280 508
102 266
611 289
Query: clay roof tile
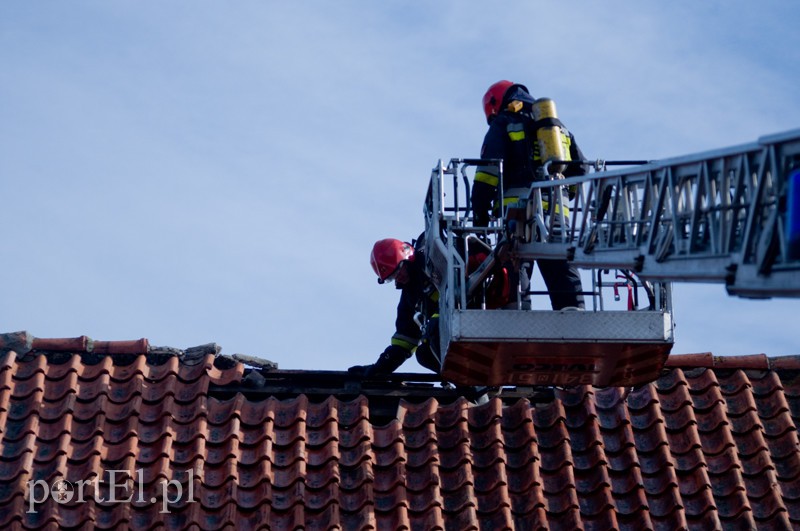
713 443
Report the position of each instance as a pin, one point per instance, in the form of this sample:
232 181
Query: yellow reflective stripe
487 178
435 296
516 132
546 205
404 342
508 200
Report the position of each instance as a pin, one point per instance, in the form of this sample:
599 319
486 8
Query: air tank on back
552 144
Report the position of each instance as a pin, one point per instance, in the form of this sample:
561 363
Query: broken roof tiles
123 440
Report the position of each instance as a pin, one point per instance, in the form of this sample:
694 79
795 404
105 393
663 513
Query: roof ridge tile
710 361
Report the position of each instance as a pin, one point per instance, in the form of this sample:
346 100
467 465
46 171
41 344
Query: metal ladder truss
723 216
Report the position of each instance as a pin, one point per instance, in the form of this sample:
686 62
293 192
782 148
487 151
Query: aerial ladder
729 216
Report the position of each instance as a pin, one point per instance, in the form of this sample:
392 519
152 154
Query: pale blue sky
195 171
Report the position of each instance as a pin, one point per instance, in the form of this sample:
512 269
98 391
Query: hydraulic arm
721 216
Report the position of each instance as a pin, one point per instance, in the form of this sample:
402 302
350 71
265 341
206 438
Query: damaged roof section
91 351
201 441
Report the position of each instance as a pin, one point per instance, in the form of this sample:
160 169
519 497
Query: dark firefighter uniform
512 137
418 297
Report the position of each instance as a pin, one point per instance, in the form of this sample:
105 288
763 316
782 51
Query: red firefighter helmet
493 99
386 257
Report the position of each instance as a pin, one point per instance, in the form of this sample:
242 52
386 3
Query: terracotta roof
712 444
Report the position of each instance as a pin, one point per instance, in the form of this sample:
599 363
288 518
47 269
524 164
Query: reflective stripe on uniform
506 201
516 132
546 205
487 178
404 342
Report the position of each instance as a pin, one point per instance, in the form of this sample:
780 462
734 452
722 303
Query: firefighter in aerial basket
416 326
526 134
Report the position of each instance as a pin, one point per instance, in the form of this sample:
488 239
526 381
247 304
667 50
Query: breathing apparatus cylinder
548 135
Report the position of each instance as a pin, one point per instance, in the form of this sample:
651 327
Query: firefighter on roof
518 136
416 326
